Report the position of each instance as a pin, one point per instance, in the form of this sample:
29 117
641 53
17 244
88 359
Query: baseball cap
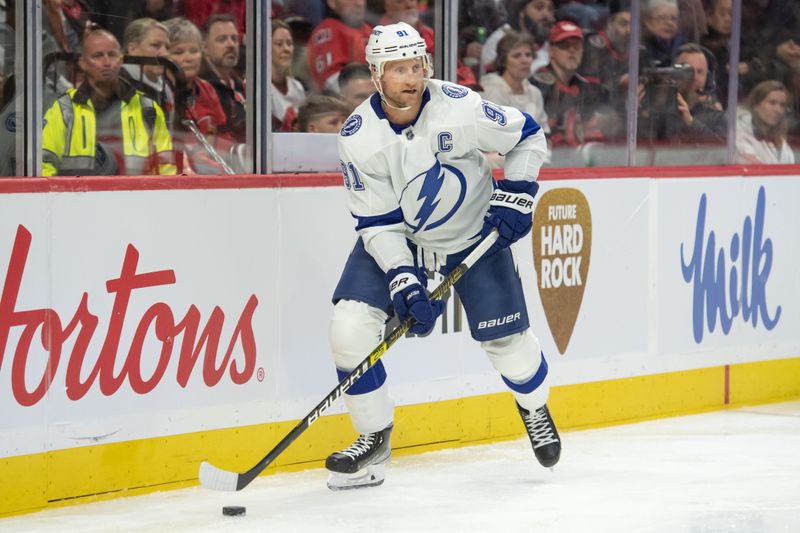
564 29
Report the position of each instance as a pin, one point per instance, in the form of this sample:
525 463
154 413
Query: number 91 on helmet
395 42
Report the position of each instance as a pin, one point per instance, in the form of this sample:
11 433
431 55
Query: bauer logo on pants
562 244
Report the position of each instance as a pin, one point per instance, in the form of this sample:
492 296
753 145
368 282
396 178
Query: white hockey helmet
394 42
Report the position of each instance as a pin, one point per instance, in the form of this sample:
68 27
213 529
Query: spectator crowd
158 86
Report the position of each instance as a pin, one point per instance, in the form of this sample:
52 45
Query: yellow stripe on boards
23 483
619 401
77 475
764 382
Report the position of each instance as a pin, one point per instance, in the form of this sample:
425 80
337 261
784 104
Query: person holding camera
679 101
700 113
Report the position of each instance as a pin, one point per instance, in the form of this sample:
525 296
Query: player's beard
401 99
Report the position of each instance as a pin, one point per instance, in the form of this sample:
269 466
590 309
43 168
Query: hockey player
423 196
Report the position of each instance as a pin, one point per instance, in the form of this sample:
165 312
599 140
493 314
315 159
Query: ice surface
736 470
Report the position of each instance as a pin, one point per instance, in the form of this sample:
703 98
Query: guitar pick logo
562 244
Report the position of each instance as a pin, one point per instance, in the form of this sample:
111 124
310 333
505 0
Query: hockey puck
233 510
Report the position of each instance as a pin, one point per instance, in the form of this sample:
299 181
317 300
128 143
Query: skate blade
372 476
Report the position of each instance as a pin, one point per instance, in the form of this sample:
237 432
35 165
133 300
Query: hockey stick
189 123
218 479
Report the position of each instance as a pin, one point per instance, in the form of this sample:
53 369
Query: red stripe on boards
330 179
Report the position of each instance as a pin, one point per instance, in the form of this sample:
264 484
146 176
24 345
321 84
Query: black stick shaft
245 478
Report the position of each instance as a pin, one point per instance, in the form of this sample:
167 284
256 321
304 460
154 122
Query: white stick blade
481 249
215 478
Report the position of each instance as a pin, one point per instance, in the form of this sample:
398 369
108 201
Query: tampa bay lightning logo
454 91
10 122
351 126
434 199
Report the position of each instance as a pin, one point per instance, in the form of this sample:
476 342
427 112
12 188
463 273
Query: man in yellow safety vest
105 126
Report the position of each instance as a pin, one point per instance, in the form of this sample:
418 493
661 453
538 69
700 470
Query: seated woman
287 93
761 127
509 84
200 102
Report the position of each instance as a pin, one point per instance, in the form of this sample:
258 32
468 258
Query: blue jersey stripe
375 102
529 128
371 380
387 219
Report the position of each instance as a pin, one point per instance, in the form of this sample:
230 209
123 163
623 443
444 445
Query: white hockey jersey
286 106
428 181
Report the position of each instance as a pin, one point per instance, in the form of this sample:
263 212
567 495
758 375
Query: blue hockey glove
510 211
410 298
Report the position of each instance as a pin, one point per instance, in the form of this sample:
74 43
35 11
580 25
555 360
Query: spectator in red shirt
339 39
199 102
220 57
198 11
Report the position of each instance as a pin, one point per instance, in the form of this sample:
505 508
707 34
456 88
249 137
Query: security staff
105 127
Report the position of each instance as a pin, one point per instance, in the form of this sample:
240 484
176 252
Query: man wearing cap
605 59
569 98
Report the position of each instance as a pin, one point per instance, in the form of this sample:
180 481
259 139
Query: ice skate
362 464
543 435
